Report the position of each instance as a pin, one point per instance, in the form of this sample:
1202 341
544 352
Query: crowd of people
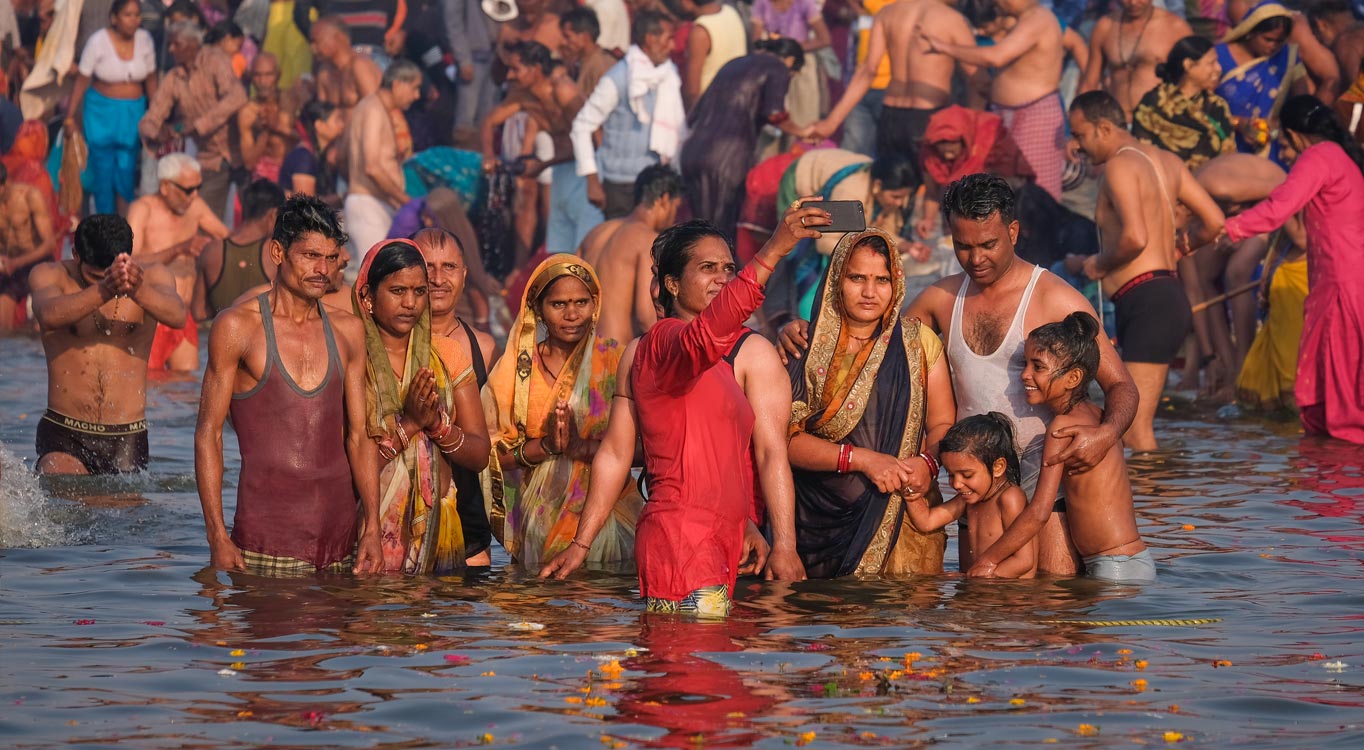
514 269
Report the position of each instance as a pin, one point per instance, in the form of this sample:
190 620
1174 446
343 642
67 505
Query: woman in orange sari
546 403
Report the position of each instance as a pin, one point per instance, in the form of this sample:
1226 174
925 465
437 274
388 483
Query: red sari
697 428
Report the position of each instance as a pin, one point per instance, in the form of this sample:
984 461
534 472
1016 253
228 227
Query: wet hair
582 21
404 71
986 438
895 173
118 5
312 112
1305 114
259 197
977 197
783 47
223 30
654 182
671 252
1072 342
534 55
979 12
304 214
390 259
102 237
436 236
1097 106
1272 24
646 24
1189 49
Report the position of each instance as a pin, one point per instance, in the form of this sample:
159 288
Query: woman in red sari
697 426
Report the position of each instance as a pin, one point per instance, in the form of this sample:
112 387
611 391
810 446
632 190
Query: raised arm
54 307
1019 41
1303 183
226 344
860 82
155 293
928 519
1204 208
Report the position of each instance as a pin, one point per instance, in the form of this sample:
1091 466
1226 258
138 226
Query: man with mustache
299 416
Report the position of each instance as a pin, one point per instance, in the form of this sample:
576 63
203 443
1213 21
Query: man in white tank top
984 315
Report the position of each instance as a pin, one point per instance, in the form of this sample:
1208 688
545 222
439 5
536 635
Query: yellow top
728 41
873 7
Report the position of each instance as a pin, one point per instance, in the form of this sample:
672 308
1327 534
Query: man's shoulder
1056 298
1165 19
50 273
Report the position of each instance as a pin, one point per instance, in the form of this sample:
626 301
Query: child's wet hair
1072 342
987 438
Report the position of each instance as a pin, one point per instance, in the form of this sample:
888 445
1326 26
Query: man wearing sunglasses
171 227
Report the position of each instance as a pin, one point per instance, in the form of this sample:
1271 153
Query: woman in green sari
422 409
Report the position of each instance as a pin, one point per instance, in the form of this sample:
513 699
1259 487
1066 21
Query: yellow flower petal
1016 702
1173 737
1087 730
237 652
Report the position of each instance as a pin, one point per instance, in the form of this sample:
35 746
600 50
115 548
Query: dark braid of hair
1306 114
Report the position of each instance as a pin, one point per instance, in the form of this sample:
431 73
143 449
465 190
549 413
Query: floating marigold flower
489 673
973 699
421 647
1172 736
1221 663
1140 665
805 738
1174 708
238 665
612 669
244 714
572 699
1188 527
912 657
864 676
895 674
237 652
1124 651
1139 685
595 701
1087 730
486 738
1016 701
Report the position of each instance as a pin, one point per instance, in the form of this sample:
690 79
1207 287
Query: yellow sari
419 526
1271 367
540 518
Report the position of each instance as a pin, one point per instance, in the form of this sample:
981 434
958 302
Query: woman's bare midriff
119 90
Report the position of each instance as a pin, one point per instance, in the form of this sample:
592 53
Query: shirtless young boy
26 239
1061 359
1126 47
171 227
1024 90
623 262
1135 214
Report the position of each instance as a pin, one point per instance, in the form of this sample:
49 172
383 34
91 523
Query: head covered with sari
519 402
420 530
872 398
1258 88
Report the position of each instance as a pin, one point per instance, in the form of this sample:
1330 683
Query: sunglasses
187 190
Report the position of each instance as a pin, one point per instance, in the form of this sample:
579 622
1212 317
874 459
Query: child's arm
1021 531
1012 505
928 519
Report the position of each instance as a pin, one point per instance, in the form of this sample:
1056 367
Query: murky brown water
114 634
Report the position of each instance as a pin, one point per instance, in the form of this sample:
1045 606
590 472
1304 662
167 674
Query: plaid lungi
1039 129
275 566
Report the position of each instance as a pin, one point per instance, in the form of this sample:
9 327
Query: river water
113 632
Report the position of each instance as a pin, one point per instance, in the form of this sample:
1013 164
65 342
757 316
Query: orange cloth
27 164
988 147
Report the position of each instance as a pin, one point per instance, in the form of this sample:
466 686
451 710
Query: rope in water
1126 623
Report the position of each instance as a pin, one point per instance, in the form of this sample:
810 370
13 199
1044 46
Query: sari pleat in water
540 518
872 399
419 526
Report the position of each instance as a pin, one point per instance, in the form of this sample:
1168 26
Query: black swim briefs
900 132
102 448
1153 317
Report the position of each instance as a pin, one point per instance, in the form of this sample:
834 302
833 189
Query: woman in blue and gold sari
872 398
1260 69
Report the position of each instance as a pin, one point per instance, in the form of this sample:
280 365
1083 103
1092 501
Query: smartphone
847 216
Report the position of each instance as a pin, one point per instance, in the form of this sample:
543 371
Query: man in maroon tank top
293 378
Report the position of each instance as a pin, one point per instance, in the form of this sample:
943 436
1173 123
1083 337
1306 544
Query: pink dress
1330 388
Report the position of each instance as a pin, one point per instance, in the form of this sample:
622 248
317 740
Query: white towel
668 120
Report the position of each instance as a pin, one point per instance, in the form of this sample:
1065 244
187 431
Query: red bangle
758 259
844 458
932 465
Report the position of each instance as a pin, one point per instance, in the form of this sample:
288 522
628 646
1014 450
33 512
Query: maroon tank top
294 496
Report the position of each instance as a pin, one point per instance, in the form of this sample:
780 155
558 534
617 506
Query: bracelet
442 431
932 465
758 259
845 458
458 444
386 449
518 453
574 542
403 439
544 446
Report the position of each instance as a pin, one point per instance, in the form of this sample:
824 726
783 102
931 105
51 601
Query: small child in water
1061 359
982 463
